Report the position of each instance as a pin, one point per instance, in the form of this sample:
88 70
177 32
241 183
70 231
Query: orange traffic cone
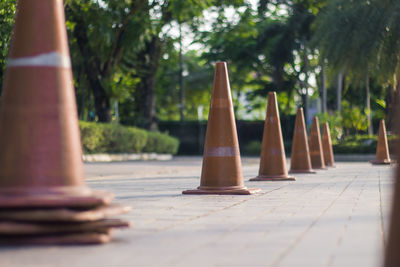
327 146
222 169
41 160
382 148
316 154
300 160
273 159
392 255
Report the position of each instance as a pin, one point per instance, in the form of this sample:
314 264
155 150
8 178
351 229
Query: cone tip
220 63
273 93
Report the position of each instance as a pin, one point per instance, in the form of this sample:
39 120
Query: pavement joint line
246 245
257 195
381 211
345 227
294 243
214 211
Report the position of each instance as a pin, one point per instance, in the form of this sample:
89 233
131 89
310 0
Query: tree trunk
324 106
93 73
146 95
339 89
304 85
368 105
181 89
392 101
305 101
101 102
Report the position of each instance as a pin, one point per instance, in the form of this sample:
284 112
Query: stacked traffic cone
300 160
327 146
222 169
382 148
316 154
273 159
43 197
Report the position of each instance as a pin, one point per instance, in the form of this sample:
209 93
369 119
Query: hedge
115 138
361 144
354 144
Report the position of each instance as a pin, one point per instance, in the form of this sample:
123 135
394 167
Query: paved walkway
334 218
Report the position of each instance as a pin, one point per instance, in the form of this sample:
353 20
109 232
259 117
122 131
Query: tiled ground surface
333 218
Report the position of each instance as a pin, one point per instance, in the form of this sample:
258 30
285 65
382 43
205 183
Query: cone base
382 162
222 191
62 214
17 229
273 178
303 171
53 197
90 238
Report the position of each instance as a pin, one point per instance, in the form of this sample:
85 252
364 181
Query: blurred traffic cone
392 255
222 169
316 154
273 159
300 160
382 148
41 159
327 146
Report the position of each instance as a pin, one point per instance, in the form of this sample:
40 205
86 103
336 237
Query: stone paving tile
333 218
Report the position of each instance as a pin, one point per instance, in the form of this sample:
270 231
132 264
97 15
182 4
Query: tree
104 33
274 49
362 37
7 12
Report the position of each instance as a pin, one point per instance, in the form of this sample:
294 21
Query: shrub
252 148
335 124
359 144
91 136
161 143
115 138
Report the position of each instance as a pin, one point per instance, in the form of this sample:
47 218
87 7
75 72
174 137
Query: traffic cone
392 255
300 160
316 154
273 159
41 161
382 148
327 146
222 169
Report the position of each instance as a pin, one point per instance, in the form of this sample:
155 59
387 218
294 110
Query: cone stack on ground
222 168
327 146
316 154
273 159
382 148
300 159
41 170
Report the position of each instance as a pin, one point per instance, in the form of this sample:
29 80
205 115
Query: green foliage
91 136
7 12
335 124
161 143
361 144
115 138
118 138
354 120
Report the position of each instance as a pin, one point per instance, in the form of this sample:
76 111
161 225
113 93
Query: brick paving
337 217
